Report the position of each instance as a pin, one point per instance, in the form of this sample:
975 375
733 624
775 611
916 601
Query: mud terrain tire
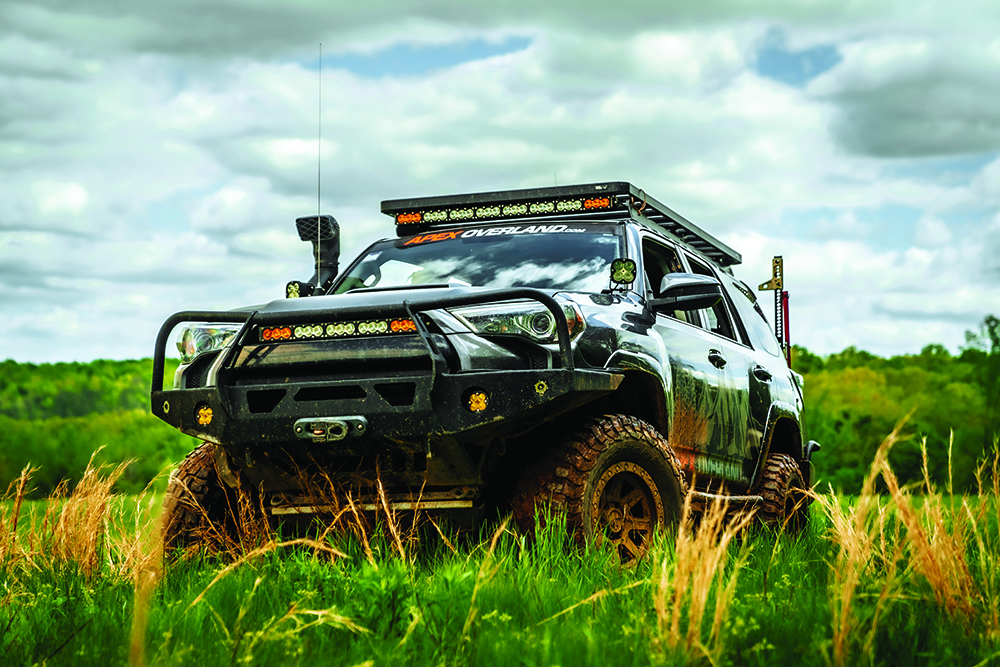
781 486
616 479
199 509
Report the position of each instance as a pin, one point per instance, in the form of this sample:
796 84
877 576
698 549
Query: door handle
716 358
761 373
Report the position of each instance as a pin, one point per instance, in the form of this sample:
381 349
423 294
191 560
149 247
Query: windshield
574 257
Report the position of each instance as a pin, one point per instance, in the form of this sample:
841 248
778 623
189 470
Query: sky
154 156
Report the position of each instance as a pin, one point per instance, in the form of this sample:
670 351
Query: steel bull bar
180 407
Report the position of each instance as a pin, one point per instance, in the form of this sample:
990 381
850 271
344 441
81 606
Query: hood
363 303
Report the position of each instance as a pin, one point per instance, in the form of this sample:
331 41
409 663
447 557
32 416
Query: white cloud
688 61
20 242
273 242
128 302
932 232
846 293
150 164
903 95
59 320
59 198
986 185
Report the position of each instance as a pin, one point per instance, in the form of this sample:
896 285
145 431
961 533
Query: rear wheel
783 491
616 479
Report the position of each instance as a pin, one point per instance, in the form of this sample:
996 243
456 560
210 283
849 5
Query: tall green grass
876 580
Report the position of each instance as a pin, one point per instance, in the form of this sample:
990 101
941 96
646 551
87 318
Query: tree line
950 402
54 416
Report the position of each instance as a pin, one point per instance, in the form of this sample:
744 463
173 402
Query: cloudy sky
154 156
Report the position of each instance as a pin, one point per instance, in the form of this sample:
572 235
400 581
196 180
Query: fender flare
636 362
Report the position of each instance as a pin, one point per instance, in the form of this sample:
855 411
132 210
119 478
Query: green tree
55 416
855 398
983 353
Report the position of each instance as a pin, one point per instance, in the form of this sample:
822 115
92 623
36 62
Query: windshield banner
493 231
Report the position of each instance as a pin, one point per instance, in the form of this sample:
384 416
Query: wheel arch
783 435
644 392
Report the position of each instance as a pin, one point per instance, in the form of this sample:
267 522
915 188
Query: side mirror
687 291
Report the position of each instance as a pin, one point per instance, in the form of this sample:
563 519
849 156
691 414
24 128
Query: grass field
907 577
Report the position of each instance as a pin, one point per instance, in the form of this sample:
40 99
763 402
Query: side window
758 328
716 319
657 261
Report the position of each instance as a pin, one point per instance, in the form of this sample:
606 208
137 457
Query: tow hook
330 429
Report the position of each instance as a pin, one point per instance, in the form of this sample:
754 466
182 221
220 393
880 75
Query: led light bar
506 211
609 200
333 330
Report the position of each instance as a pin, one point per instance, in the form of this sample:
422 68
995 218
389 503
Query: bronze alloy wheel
626 507
616 479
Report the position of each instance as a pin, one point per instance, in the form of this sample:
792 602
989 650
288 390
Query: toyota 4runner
581 346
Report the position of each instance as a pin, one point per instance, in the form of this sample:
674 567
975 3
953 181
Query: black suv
580 346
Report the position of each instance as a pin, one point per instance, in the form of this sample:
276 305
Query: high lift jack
776 283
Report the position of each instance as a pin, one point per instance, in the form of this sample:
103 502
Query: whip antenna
319 169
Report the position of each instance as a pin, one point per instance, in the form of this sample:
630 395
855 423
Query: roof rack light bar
592 201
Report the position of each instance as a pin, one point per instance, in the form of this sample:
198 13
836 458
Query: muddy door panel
711 401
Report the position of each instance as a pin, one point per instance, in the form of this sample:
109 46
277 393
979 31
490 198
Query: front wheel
199 510
616 479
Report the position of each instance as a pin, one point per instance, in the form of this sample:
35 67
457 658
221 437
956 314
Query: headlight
529 319
198 338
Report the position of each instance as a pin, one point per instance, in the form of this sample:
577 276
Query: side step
700 500
463 497
402 505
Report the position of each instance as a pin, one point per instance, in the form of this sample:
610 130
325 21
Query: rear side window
758 328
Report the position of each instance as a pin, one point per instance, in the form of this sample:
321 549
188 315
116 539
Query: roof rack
593 201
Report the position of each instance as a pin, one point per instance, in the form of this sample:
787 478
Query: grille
196 374
319 361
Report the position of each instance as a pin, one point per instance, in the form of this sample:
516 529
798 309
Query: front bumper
407 409
411 428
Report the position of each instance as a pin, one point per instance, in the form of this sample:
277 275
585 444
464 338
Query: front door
711 429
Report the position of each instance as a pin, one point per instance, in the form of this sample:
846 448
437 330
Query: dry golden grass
344 515
684 580
988 542
888 543
84 528
11 549
860 534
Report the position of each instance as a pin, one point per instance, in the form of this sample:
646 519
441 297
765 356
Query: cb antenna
319 168
322 231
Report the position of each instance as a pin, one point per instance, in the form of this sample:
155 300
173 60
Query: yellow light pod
204 415
477 401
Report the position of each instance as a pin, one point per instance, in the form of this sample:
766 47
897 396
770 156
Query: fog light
478 401
204 415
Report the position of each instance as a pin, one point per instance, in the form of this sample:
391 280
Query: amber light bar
506 211
334 330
